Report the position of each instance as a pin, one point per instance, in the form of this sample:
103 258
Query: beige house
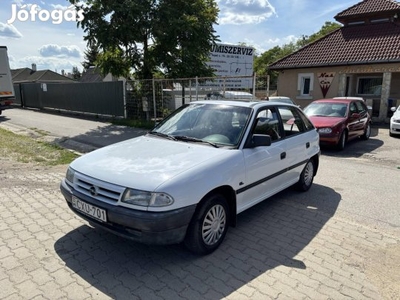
360 59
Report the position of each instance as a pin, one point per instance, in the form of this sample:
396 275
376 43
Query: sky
57 44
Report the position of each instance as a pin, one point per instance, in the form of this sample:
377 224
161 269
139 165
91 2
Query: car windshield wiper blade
167 136
193 139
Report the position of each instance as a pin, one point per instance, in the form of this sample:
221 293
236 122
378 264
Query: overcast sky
58 45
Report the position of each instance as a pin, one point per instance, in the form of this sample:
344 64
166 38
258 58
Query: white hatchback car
395 122
188 178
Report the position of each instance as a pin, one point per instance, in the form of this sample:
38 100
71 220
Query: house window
369 86
305 83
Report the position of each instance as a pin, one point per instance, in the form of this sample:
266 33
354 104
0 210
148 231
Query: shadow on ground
268 235
357 147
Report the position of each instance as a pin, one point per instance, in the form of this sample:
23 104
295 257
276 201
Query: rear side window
294 121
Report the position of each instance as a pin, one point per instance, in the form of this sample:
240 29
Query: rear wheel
306 177
208 226
342 141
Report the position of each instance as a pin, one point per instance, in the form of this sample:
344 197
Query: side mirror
259 140
393 109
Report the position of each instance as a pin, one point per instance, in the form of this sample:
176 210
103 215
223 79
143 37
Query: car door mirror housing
259 140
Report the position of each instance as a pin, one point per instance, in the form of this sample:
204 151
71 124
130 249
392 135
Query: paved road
340 240
80 134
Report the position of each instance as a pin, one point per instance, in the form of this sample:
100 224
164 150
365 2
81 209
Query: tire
342 141
208 226
367 132
306 177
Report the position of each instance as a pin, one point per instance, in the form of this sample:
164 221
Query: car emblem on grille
93 190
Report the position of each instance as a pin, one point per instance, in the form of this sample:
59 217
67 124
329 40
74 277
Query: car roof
351 98
279 97
336 100
241 102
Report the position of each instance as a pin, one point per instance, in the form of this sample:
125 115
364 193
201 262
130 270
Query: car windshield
221 125
326 109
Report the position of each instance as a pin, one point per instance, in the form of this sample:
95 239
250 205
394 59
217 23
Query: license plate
89 209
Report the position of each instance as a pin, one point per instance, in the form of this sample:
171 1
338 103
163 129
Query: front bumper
329 139
394 128
159 228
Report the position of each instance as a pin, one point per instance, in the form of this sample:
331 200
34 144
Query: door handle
283 155
308 145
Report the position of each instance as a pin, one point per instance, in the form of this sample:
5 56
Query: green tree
76 75
91 56
149 35
327 28
184 36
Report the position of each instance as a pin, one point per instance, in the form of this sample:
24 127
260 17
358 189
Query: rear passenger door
300 139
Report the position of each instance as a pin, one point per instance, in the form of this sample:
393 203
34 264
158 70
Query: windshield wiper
167 136
193 139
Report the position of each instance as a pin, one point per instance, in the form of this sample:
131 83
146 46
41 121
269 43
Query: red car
339 120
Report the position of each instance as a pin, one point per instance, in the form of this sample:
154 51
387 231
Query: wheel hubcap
214 225
308 173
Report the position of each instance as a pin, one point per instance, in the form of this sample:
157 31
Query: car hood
144 162
396 115
326 121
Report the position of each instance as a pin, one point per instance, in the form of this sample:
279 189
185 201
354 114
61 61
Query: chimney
34 67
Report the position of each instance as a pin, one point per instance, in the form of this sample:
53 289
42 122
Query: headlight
325 130
142 198
70 175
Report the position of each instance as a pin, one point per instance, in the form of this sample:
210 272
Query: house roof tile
28 75
368 7
356 44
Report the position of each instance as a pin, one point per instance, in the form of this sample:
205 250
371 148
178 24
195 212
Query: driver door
265 166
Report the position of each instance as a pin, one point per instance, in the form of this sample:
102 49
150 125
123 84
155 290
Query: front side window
305 83
369 86
361 107
268 124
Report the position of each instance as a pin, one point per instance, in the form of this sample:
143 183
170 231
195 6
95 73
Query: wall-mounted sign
325 81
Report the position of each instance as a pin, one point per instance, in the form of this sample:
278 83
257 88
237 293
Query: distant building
32 75
362 58
93 74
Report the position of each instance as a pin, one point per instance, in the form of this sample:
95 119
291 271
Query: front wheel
306 177
367 132
342 141
208 226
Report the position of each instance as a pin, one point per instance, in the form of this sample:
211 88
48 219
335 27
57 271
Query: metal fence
154 99
139 99
100 98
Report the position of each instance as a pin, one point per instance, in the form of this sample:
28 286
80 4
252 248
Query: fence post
154 101
124 88
254 84
197 88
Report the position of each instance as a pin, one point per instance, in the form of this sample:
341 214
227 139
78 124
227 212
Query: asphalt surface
75 132
340 240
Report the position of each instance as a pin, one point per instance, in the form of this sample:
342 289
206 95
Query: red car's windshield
326 109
